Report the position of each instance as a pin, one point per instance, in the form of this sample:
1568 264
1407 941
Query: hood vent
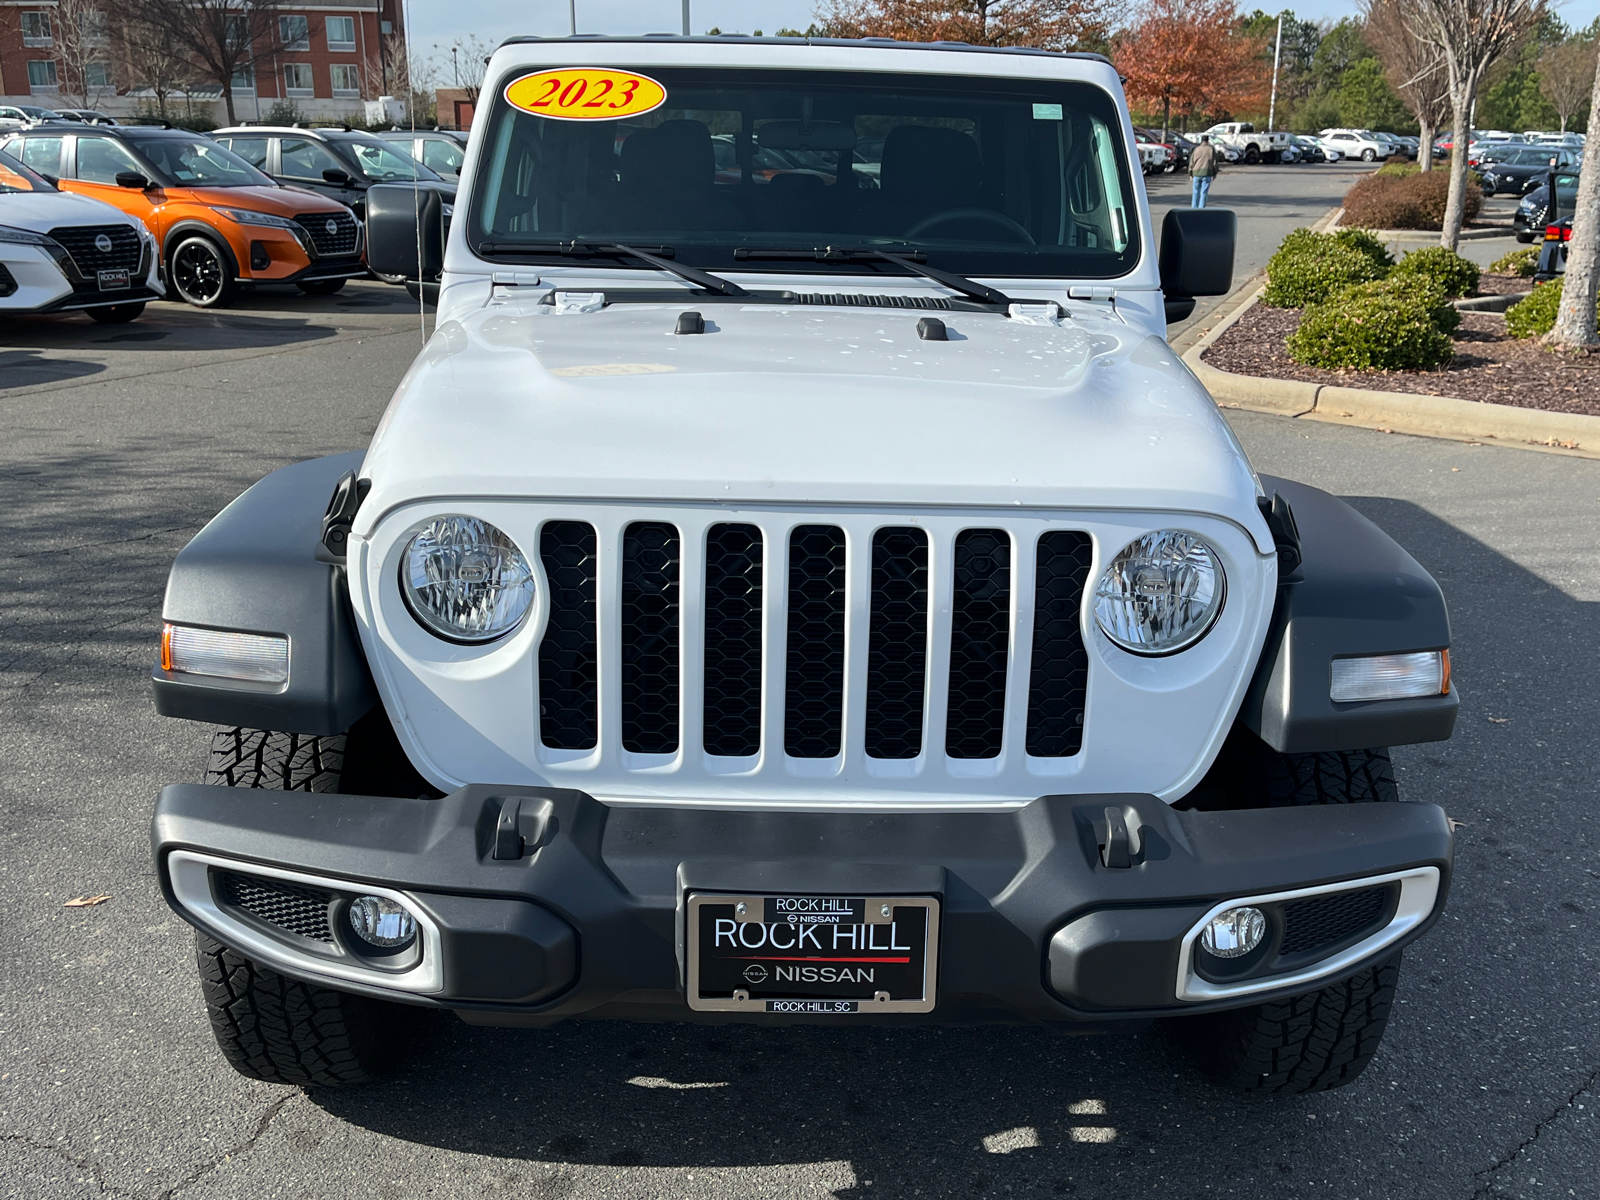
850 300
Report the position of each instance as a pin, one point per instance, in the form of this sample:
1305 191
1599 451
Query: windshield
14 177
180 162
382 162
977 176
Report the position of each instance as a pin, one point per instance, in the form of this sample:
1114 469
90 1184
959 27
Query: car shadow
28 368
161 328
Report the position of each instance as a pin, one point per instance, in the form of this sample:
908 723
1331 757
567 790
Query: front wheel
201 274
321 287
117 314
1252 155
1369 155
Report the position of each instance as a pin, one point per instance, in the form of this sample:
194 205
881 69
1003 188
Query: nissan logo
103 244
332 227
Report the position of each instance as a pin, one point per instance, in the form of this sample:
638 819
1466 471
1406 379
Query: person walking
1202 170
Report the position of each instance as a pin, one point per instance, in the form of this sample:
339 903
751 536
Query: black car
1181 145
338 162
1516 170
1533 214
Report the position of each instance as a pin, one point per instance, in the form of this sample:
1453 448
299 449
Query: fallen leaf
1455 468
1454 824
1501 720
91 901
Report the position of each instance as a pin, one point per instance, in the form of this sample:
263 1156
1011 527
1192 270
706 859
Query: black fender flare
1355 592
184 229
255 568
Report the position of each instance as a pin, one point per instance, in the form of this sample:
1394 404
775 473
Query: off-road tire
280 762
1308 1043
117 314
321 287
279 1030
1252 155
1332 777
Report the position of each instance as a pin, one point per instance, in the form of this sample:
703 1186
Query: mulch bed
1500 285
1489 365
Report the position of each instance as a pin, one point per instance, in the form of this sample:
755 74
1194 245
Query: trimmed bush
1413 202
1456 275
1370 329
1397 170
1310 267
1414 289
1522 263
1368 242
1535 316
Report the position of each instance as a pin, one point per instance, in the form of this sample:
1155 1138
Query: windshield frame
725 250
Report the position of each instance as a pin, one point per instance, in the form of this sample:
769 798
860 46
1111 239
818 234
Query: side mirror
132 179
405 231
1196 256
336 177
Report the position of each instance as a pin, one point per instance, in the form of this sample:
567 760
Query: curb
1490 303
1467 235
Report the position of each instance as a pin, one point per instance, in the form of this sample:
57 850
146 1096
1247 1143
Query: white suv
1358 143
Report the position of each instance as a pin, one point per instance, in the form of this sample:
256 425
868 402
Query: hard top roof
864 43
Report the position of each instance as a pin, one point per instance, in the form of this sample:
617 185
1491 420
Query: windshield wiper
705 279
656 256
909 261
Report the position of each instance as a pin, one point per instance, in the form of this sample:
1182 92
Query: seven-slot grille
333 234
80 242
692 656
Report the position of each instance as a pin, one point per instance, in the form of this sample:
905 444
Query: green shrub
1456 275
1368 242
1535 316
1310 267
1370 329
1413 289
1412 202
1397 170
1523 262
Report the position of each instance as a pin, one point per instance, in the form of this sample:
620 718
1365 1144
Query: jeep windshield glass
180 162
997 177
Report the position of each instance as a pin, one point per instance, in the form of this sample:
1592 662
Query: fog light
1234 932
254 657
1391 676
381 922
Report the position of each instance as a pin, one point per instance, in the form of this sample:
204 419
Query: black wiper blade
705 279
911 261
656 256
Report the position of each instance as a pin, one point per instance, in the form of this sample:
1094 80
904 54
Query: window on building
294 33
97 74
346 80
341 33
36 29
303 158
42 76
244 79
92 24
99 160
297 79
239 32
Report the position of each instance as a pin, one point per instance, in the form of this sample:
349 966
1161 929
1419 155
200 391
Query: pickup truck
1253 146
782 596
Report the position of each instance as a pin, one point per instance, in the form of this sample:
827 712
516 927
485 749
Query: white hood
777 404
40 212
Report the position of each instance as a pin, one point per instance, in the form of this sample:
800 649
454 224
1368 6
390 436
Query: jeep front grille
704 610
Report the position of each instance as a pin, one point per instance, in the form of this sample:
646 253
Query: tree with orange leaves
1190 56
1044 24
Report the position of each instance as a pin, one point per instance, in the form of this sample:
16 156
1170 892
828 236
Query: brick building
328 59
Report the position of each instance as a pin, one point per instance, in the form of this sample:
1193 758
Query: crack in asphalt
244 1147
1486 1188
65 1153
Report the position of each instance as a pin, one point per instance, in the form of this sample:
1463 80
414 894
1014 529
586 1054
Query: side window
443 157
252 149
99 160
303 158
43 154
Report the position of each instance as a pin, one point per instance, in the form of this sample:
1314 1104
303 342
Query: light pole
572 13
455 67
685 18
1277 55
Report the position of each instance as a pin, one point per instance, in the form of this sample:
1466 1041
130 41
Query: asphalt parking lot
122 441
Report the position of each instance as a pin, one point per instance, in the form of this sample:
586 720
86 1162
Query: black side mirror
336 177
132 179
1196 256
405 231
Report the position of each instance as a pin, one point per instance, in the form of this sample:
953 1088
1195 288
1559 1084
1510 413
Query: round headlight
465 581
1160 594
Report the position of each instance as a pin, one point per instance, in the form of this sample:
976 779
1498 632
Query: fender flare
1355 592
183 229
255 568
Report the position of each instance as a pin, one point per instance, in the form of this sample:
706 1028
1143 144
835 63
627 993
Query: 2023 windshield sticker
585 94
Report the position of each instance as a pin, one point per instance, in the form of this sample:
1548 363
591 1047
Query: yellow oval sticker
585 94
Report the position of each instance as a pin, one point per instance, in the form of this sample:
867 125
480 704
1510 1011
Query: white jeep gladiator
786 592
1253 146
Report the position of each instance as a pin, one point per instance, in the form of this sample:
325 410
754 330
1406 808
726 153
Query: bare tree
466 58
1580 289
147 57
1415 70
83 48
223 38
1566 73
1471 36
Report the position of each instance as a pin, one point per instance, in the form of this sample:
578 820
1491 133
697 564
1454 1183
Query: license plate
112 281
812 954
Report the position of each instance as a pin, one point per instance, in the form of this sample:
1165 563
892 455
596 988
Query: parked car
797 629
88 116
336 162
1514 171
1357 143
1329 152
1253 144
442 151
1312 151
1398 146
1533 213
1178 148
66 253
221 224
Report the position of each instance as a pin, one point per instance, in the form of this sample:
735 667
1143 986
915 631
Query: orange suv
221 224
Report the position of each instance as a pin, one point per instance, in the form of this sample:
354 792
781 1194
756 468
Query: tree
82 47
1566 75
1580 289
149 59
1189 56
1472 35
1365 99
1044 24
1415 70
225 39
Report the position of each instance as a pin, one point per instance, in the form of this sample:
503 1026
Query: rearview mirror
132 179
336 177
405 231
1196 256
809 135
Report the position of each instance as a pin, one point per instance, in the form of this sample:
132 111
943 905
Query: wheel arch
180 230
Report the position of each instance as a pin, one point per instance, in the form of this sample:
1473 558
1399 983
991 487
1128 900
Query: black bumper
80 300
1034 926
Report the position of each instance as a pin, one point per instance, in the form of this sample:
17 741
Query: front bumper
1034 925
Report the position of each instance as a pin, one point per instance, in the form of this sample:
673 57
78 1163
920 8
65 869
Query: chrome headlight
23 237
465 581
249 216
1161 594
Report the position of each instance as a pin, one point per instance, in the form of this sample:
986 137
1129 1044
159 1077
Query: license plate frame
114 281
883 935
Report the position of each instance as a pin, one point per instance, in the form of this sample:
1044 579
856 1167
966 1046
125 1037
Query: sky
443 21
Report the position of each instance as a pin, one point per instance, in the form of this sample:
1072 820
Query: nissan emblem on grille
103 244
331 226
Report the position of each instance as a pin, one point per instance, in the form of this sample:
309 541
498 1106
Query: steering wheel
987 215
